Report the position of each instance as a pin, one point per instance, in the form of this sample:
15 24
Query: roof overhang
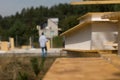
83 24
75 28
95 2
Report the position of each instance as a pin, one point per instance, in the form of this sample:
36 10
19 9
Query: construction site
91 51
92 58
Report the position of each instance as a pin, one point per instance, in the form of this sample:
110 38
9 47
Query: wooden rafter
95 2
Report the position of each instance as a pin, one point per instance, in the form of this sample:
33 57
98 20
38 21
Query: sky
10 7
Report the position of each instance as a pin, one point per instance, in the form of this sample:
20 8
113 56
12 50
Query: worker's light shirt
42 41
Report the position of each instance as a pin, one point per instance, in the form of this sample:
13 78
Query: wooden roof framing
85 23
95 2
77 27
112 16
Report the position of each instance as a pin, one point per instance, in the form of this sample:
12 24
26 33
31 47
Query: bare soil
10 66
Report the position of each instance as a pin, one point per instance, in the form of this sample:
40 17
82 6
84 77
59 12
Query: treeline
22 25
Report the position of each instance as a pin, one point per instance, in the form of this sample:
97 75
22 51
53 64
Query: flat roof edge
80 25
95 2
73 28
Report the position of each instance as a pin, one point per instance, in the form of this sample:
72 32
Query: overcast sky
9 7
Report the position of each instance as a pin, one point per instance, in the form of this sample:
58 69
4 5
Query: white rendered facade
79 40
51 29
93 36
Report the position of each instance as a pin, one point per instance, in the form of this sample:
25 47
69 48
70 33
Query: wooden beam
83 69
77 27
78 50
95 2
112 16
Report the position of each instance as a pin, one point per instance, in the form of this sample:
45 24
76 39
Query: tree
18 29
68 22
23 24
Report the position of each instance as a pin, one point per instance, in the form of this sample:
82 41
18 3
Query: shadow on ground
82 54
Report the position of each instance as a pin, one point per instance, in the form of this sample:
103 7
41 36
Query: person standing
42 41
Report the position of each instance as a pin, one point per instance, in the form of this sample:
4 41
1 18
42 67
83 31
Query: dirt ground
11 66
80 67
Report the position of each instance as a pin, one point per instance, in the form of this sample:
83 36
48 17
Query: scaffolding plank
82 69
95 2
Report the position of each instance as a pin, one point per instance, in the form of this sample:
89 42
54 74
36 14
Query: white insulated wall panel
80 39
103 33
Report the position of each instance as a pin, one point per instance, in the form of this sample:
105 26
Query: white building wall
103 33
97 17
80 39
52 28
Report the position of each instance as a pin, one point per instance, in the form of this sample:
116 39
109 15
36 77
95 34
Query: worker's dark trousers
44 51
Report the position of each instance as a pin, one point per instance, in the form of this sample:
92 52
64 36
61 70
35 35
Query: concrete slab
82 69
32 52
